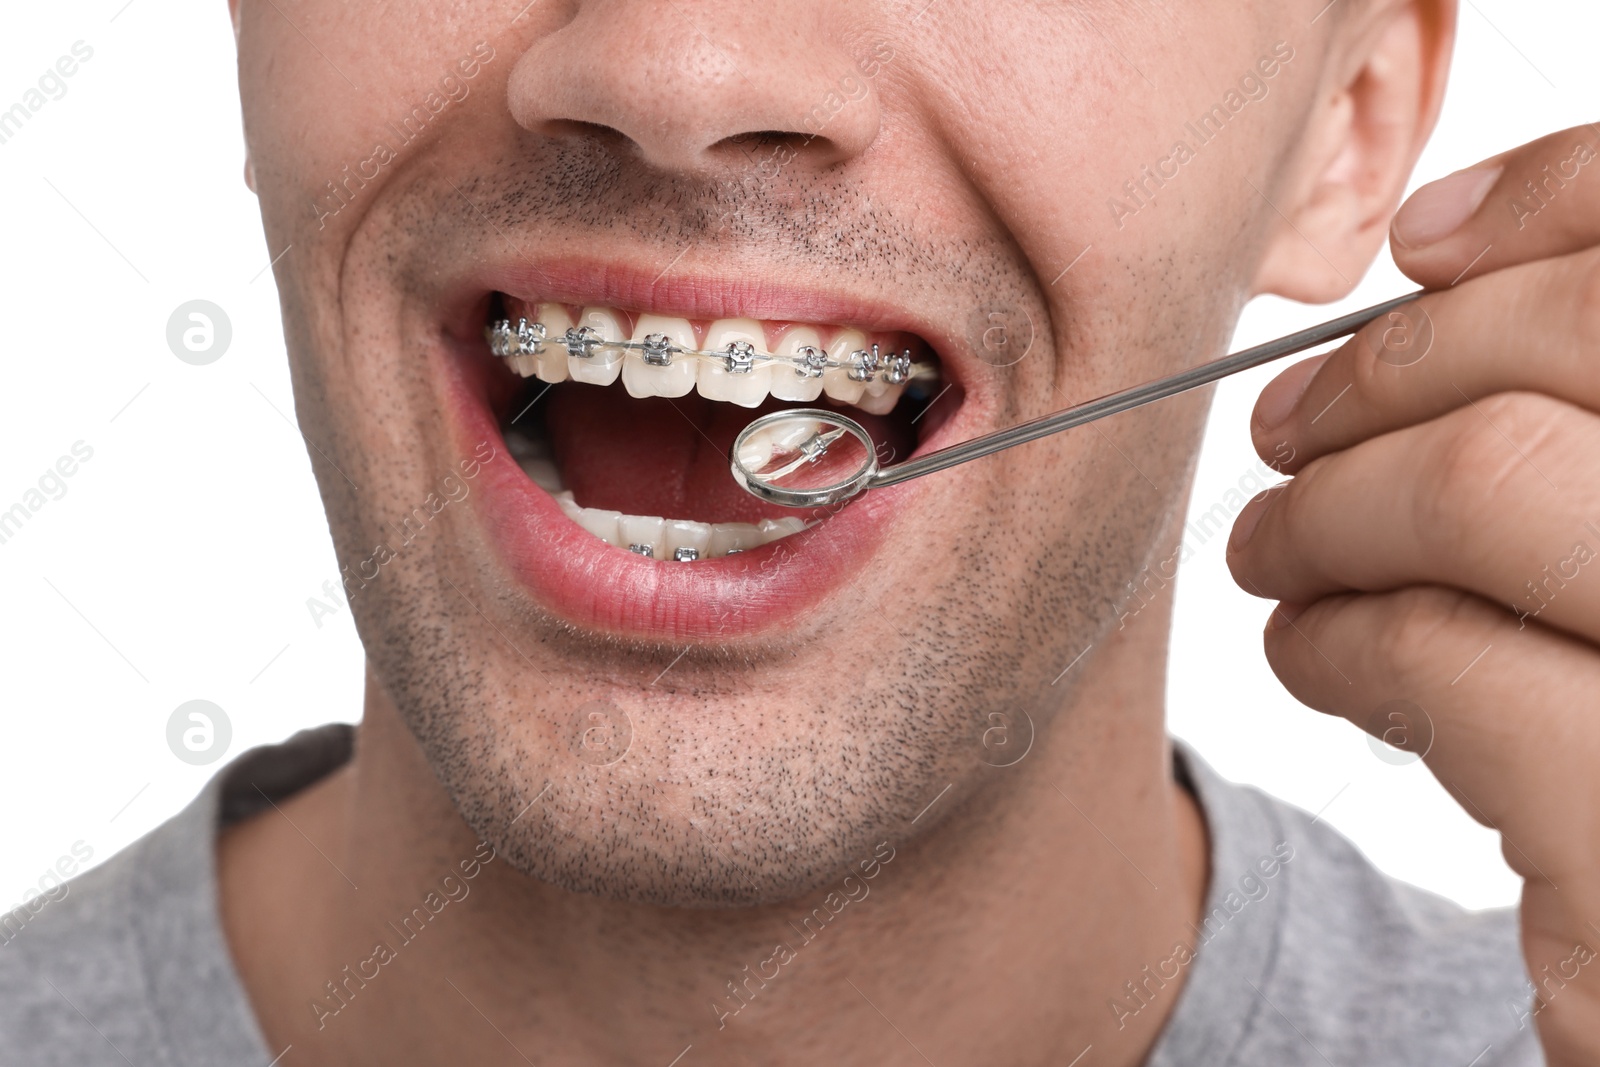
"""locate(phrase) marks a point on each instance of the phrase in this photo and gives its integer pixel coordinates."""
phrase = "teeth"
(646, 535)
(744, 377)
(755, 451)
(605, 525)
(683, 534)
(605, 364)
(883, 401)
(773, 529)
(836, 380)
(786, 384)
(675, 539)
(550, 365)
(715, 382)
(735, 537)
(790, 434)
(675, 379)
(662, 358)
(784, 436)
(881, 395)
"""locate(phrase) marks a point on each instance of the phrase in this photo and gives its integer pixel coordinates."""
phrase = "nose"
(687, 82)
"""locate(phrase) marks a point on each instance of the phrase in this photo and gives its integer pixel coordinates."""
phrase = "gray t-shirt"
(1307, 954)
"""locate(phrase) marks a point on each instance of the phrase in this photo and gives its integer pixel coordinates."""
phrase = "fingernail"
(1250, 518)
(1283, 615)
(1438, 209)
(1278, 399)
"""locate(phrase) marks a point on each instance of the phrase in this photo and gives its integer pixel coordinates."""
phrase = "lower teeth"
(682, 540)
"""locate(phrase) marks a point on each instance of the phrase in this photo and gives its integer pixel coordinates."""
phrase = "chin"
(708, 802)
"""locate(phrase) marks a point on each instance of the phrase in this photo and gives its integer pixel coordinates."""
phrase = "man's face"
(950, 177)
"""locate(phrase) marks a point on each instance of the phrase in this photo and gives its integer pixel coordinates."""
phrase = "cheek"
(315, 121)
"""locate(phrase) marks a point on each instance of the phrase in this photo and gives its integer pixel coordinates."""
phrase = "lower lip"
(599, 587)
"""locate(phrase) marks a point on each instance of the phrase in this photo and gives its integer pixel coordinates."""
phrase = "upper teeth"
(662, 359)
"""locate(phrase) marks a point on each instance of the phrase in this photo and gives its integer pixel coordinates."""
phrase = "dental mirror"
(811, 457)
(803, 457)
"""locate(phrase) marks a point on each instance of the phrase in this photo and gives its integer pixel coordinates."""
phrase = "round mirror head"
(803, 458)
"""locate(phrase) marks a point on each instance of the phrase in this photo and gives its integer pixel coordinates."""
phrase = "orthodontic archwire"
(527, 338)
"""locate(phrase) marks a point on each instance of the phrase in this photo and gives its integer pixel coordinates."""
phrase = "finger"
(1533, 328)
(1536, 201)
(1494, 711)
(1497, 498)
(1499, 715)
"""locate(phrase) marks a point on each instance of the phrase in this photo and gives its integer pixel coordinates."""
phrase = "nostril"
(762, 137)
(767, 140)
(572, 129)
(777, 146)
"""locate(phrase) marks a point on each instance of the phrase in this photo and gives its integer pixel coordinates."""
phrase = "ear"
(1374, 112)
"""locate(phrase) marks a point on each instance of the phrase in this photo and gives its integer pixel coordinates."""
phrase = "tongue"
(669, 458)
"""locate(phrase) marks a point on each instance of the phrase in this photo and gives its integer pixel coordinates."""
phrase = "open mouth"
(608, 415)
(625, 417)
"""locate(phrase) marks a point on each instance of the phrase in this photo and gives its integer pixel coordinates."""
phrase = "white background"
(178, 564)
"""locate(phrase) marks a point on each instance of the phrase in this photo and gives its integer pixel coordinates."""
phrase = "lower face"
(630, 676)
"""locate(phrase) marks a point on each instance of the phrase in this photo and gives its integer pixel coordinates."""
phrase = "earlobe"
(1383, 89)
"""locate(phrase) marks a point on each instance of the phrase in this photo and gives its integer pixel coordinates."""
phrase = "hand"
(1439, 546)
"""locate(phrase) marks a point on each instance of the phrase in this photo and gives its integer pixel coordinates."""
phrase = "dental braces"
(736, 357)
(680, 554)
